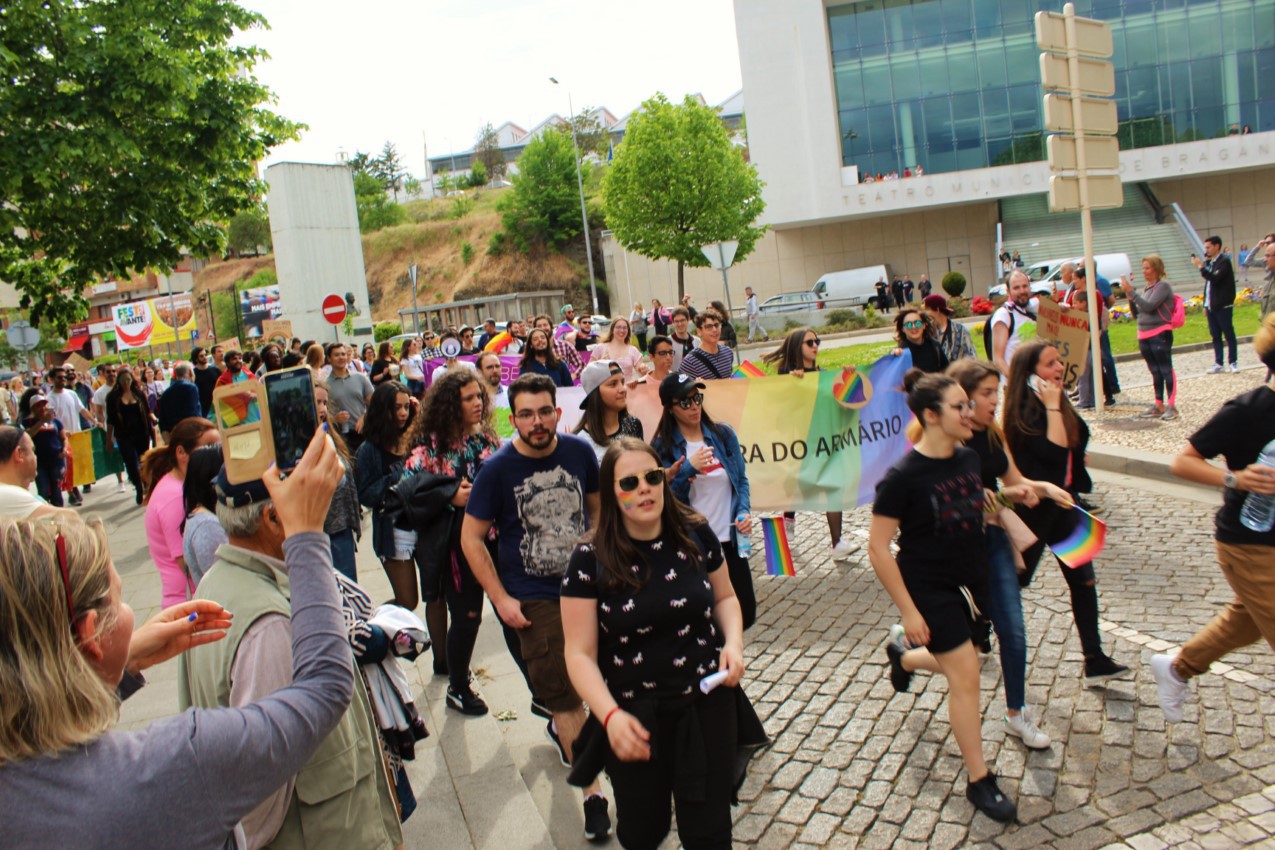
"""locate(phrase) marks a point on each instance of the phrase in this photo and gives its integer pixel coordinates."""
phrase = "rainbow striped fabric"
(778, 553)
(1085, 542)
(748, 369)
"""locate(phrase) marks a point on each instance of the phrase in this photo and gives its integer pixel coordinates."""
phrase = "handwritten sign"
(1068, 331)
(278, 331)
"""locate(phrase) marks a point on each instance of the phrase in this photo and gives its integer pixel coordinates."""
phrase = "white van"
(1109, 266)
(850, 287)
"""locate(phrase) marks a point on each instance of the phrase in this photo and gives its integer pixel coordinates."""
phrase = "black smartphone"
(293, 417)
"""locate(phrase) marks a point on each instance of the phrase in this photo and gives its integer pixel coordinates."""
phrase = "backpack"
(987, 328)
(1178, 319)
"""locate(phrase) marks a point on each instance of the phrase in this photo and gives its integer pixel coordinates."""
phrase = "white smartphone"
(1036, 383)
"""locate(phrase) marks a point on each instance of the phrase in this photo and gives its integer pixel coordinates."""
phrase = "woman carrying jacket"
(708, 474)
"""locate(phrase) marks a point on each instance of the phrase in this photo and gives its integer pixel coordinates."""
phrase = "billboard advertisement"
(154, 321)
(257, 306)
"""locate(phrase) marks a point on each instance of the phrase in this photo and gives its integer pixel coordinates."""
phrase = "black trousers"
(1049, 522)
(741, 578)
(646, 790)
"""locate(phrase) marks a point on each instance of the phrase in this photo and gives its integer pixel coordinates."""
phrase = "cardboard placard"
(231, 344)
(1068, 331)
(278, 331)
(241, 414)
(78, 363)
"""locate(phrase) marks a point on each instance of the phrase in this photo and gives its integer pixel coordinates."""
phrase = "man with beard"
(488, 364)
(540, 490)
(206, 376)
(1008, 320)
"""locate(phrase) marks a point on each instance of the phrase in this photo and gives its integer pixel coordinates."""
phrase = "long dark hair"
(201, 471)
(160, 461)
(969, 373)
(667, 428)
(441, 423)
(788, 355)
(593, 422)
(529, 352)
(380, 423)
(115, 397)
(615, 550)
(1024, 411)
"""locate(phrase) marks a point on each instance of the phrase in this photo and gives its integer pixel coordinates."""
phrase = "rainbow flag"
(748, 369)
(778, 554)
(1085, 542)
(499, 342)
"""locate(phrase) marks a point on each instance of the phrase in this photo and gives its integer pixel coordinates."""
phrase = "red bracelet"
(607, 719)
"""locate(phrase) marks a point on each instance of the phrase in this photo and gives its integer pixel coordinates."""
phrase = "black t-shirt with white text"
(1238, 432)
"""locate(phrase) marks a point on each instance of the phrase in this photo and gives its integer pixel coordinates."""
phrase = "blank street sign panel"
(1093, 38)
(1105, 192)
(1101, 153)
(1097, 116)
(1096, 77)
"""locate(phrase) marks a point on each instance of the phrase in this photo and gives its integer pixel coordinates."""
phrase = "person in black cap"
(710, 475)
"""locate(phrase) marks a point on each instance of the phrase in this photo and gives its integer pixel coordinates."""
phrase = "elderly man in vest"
(341, 799)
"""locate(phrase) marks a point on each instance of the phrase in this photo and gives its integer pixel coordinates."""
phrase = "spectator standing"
(753, 314)
(896, 291)
(201, 531)
(640, 326)
(1153, 308)
(711, 359)
(206, 375)
(660, 317)
(540, 491)
(180, 401)
(908, 288)
(883, 296)
(924, 286)
(1219, 302)
(349, 393)
(129, 425)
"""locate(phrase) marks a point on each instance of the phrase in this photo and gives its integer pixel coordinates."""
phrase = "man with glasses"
(70, 411)
(680, 336)
(568, 321)
(711, 359)
(540, 490)
(661, 351)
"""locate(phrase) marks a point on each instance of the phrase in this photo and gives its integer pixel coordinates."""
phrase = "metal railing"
(1188, 232)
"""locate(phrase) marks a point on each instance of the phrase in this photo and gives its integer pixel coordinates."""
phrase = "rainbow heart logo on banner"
(854, 390)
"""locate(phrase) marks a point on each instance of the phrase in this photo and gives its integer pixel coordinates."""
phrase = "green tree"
(249, 231)
(388, 168)
(360, 163)
(478, 175)
(130, 131)
(543, 207)
(591, 136)
(375, 209)
(487, 151)
(677, 183)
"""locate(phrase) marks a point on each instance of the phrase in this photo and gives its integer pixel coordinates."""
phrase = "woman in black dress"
(647, 613)
(129, 424)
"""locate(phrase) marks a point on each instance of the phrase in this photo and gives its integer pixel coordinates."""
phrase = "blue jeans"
(1222, 323)
(343, 548)
(1005, 609)
(48, 481)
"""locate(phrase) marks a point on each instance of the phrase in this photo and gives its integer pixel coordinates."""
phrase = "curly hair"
(380, 425)
(899, 336)
(442, 422)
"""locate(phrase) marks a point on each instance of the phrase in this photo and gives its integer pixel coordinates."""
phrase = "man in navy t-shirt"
(540, 490)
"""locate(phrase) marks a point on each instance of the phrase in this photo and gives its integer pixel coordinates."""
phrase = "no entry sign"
(334, 309)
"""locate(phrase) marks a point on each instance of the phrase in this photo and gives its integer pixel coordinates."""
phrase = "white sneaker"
(1029, 733)
(790, 528)
(121, 488)
(1214, 369)
(896, 634)
(844, 550)
(1172, 690)
(1234, 367)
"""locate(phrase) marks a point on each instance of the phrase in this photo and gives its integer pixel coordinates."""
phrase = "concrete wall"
(1238, 207)
(317, 248)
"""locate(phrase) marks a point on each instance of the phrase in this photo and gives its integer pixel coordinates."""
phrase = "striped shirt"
(697, 363)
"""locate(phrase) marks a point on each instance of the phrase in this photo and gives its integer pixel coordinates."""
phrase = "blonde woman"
(616, 347)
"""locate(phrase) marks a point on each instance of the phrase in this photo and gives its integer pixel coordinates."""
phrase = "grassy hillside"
(447, 239)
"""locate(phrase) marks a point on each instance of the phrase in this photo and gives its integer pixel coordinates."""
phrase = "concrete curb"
(1137, 463)
(1180, 349)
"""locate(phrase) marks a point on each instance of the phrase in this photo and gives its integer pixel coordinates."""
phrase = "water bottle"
(743, 542)
(1258, 513)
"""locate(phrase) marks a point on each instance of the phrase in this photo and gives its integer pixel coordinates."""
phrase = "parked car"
(790, 302)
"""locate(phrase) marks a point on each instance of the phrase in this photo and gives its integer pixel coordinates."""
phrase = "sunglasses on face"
(709, 326)
(691, 401)
(663, 352)
(813, 343)
(653, 477)
(911, 326)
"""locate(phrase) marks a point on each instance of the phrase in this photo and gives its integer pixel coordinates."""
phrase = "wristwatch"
(1229, 481)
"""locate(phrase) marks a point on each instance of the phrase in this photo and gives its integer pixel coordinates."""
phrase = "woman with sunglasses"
(647, 613)
(1048, 439)
(797, 355)
(933, 500)
(661, 352)
(538, 358)
(710, 476)
(606, 416)
(915, 335)
(66, 777)
(616, 347)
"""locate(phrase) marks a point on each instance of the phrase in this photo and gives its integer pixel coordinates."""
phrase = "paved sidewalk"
(855, 765)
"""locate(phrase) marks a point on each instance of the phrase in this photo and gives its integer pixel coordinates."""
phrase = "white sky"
(362, 73)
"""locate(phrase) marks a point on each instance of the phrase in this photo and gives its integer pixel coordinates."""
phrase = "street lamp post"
(584, 211)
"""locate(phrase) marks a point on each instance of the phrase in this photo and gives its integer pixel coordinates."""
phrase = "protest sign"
(1068, 331)
(278, 331)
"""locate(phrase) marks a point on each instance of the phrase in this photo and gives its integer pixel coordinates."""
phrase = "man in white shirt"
(1009, 319)
(17, 472)
(754, 316)
(68, 408)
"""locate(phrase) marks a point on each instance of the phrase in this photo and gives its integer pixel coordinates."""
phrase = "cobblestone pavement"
(855, 765)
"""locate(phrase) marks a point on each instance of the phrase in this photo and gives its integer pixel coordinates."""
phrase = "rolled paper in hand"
(711, 681)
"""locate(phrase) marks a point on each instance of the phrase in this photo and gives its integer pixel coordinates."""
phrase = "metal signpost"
(411, 273)
(23, 337)
(721, 256)
(1070, 64)
(334, 313)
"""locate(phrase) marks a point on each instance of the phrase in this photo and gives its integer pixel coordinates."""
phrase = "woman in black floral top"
(648, 613)
(452, 437)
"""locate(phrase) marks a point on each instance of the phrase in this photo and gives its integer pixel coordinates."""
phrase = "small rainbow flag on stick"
(1084, 543)
(778, 554)
(748, 369)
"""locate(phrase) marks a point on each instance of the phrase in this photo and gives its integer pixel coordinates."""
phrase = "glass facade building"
(955, 84)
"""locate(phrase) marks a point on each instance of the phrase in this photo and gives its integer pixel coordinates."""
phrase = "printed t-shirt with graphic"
(538, 506)
(1238, 432)
(711, 494)
(939, 505)
(659, 640)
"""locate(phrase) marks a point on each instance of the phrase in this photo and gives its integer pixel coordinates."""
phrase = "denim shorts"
(404, 547)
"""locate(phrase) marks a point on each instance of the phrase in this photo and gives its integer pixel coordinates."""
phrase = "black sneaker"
(539, 709)
(562, 753)
(1087, 505)
(899, 677)
(466, 702)
(597, 823)
(1101, 668)
(988, 799)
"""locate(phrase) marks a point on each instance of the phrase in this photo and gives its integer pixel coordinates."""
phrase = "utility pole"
(584, 210)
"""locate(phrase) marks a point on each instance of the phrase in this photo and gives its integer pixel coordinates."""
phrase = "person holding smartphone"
(1153, 308)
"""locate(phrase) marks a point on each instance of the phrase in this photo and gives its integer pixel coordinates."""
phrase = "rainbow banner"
(778, 553)
(1084, 543)
(817, 443)
(748, 369)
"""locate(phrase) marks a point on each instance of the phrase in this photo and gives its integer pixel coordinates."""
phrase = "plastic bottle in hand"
(744, 542)
(1258, 513)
